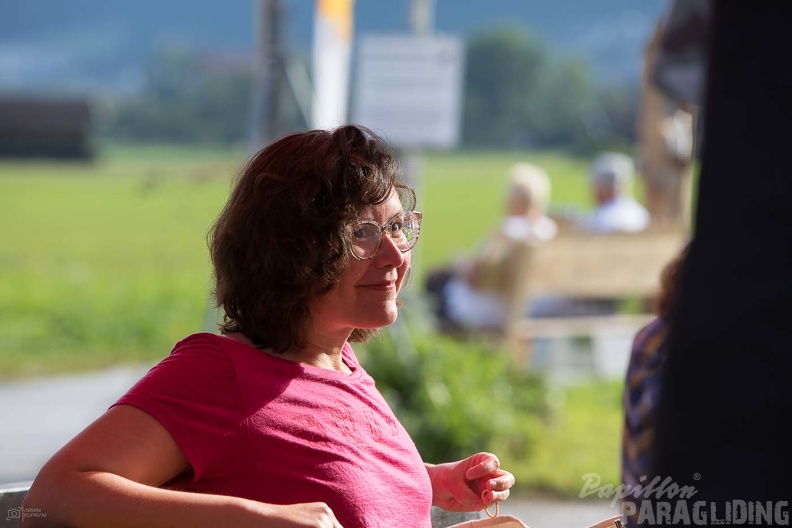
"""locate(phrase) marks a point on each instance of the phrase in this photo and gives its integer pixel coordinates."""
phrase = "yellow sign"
(339, 14)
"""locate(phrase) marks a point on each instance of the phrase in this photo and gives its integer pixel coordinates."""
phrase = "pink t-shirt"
(268, 429)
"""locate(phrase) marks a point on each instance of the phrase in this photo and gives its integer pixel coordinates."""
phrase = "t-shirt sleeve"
(195, 395)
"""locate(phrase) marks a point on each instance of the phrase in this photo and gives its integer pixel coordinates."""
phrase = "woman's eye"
(359, 233)
(396, 226)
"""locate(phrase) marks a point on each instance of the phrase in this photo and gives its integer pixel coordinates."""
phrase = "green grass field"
(106, 263)
(584, 437)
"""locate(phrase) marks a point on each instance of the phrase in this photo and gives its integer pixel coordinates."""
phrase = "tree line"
(518, 94)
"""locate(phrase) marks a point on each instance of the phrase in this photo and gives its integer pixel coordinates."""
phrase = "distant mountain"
(94, 45)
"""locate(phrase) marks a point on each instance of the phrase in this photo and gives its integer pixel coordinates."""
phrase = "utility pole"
(411, 162)
(411, 159)
(422, 16)
(268, 70)
(421, 22)
(267, 73)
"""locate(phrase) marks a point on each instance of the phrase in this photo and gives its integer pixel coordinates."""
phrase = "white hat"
(612, 170)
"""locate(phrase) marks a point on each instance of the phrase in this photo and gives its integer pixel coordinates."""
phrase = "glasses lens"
(405, 231)
(413, 223)
(365, 239)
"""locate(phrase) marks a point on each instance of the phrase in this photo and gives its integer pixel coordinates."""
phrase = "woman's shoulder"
(207, 347)
(203, 343)
(214, 341)
(200, 350)
(649, 340)
(199, 338)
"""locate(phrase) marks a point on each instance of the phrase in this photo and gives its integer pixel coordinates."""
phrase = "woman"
(273, 422)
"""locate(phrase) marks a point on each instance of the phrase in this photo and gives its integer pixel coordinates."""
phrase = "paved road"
(39, 416)
(544, 513)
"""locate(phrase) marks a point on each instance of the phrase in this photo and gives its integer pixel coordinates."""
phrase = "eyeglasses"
(402, 228)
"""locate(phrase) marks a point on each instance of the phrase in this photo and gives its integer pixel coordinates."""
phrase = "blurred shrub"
(457, 398)
(519, 93)
(187, 98)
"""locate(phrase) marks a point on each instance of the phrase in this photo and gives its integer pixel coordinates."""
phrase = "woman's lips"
(380, 286)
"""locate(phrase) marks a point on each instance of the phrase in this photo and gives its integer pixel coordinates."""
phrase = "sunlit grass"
(583, 437)
(103, 263)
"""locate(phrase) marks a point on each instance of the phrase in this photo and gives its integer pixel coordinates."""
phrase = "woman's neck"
(330, 360)
(329, 357)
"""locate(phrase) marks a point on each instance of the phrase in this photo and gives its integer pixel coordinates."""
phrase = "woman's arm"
(109, 476)
(461, 486)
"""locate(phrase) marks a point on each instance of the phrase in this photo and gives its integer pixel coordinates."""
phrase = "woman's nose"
(389, 253)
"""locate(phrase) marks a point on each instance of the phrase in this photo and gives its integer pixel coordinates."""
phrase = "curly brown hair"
(282, 237)
(670, 280)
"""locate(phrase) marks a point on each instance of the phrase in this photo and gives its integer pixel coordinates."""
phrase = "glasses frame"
(384, 229)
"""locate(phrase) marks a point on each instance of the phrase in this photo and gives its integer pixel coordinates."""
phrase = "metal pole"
(267, 70)
(412, 160)
(264, 122)
(421, 21)
(422, 16)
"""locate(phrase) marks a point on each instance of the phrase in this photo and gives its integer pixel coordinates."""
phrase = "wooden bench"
(12, 495)
(580, 265)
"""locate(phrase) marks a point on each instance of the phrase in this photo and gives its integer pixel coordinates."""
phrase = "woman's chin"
(386, 318)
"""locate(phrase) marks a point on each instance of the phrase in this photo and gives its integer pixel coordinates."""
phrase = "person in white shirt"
(612, 175)
(471, 294)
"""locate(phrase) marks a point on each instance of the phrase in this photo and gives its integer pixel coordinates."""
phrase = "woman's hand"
(458, 486)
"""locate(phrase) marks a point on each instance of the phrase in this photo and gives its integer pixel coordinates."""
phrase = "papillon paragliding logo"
(661, 501)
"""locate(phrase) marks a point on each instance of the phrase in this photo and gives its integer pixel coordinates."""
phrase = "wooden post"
(666, 147)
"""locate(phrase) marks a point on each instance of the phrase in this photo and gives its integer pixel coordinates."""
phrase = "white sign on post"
(408, 89)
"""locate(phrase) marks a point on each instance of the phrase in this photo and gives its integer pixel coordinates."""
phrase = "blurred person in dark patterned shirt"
(643, 381)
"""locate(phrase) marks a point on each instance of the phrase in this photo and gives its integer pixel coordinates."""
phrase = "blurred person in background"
(612, 175)
(273, 422)
(643, 382)
(471, 294)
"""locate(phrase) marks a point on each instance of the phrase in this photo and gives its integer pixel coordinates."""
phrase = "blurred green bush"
(456, 398)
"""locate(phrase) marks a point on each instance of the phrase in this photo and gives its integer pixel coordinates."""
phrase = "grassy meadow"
(106, 262)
